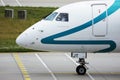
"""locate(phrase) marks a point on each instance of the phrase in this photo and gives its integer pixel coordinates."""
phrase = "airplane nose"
(22, 40)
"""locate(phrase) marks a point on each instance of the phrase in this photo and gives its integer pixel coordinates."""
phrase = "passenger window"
(51, 16)
(62, 17)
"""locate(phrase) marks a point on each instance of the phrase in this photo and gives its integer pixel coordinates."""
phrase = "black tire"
(81, 70)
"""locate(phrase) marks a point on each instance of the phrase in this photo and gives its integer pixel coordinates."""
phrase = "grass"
(10, 28)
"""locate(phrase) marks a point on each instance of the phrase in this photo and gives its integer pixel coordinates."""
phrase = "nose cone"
(22, 40)
(30, 38)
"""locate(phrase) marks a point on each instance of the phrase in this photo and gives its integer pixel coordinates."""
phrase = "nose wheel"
(82, 68)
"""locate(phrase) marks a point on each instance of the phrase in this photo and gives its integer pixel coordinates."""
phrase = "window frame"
(51, 16)
(62, 17)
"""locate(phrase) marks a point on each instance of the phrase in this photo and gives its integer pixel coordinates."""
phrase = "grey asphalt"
(59, 66)
(8, 68)
(37, 3)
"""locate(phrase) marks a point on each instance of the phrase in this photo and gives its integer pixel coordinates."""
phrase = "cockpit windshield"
(51, 16)
(62, 17)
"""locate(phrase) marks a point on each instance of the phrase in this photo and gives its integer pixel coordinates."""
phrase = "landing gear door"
(99, 29)
(79, 55)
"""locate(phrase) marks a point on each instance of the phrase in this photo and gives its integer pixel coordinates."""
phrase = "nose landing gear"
(82, 68)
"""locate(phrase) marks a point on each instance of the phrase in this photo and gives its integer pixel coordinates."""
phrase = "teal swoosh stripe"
(91, 42)
(110, 10)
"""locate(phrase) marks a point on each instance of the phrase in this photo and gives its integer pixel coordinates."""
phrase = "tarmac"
(37, 3)
(57, 66)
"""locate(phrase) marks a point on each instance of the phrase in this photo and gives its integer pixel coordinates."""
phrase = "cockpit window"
(62, 17)
(51, 16)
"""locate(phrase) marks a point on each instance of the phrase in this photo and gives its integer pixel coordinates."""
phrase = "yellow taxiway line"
(21, 66)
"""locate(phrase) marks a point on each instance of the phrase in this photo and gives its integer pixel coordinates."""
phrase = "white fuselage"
(89, 26)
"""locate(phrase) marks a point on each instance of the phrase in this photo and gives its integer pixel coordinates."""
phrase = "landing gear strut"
(82, 68)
